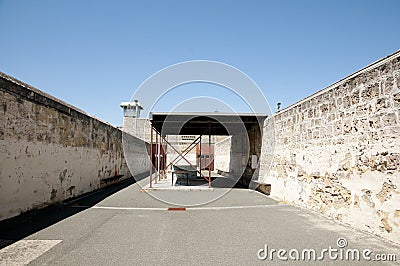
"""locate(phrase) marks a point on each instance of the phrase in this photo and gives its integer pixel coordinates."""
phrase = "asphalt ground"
(125, 225)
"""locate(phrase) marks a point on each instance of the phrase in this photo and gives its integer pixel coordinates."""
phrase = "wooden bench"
(177, 172)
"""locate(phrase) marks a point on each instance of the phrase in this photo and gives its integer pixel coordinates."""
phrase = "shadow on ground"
(220, 182)
(25, 224)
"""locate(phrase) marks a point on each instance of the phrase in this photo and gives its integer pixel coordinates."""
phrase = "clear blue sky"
(94, 54)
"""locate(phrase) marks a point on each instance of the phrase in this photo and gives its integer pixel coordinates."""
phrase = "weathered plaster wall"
(222, 155)
(233, 156)
(338, 151)
(136, 152)
(240, 161)
(51, 151)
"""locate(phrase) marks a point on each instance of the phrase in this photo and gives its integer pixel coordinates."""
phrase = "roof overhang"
(214, 123)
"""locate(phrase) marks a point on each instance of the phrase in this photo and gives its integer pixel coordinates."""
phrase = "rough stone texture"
(338, 151)
(51, 151)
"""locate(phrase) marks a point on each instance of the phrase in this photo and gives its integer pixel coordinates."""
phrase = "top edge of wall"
(373, 65)
(44, 94)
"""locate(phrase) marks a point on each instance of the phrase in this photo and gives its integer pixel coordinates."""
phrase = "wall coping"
(53, 103)
(373, 65)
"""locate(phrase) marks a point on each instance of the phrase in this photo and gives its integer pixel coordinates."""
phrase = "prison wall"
(51, 151)
(338, 151)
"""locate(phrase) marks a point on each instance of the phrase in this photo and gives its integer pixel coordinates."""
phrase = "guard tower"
(131, 109)
(133, 124)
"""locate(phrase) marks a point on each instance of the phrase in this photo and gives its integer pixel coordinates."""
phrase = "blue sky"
(94, 54)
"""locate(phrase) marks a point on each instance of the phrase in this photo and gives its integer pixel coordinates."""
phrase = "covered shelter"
(245, 127)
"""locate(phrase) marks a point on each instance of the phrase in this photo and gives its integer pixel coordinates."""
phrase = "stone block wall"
(51, 151)
(138, 127)
(338, 151)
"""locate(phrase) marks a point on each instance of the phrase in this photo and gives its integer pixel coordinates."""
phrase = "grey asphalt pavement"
(124, 225)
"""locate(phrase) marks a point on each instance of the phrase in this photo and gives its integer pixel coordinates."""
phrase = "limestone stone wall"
(51, 151)
(138, 127)
(338, 151)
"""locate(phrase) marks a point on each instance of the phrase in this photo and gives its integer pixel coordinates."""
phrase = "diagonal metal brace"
(183, 157)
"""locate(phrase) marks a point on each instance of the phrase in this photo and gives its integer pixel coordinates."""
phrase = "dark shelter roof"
(204, 123)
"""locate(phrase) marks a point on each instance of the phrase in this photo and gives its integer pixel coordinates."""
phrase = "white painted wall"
(51, 151)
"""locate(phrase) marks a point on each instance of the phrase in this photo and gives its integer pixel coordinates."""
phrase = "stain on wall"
(51, 151)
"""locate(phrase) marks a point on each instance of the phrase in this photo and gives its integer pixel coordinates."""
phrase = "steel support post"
(156, 154)
(200, 154)
(151, 156)
(209, 154)
(158, 158)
